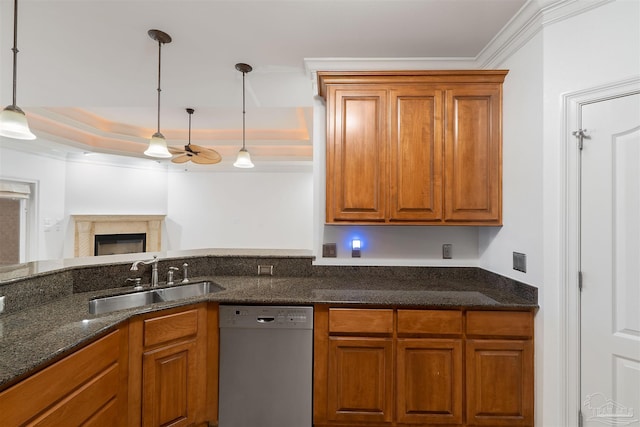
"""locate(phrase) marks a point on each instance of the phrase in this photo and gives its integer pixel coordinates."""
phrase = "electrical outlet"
(1, 304)
(520, 262)
(265, 270)
(447, 249)
(329, 250)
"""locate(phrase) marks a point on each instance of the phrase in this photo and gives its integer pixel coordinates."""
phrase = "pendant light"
(13, 121)
(244, 158)
(157, 144)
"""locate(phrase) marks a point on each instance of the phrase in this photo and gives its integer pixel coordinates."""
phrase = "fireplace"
(89, 227)
(124, 243)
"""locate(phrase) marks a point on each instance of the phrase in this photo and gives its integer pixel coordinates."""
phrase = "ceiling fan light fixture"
(158, 147)
(157, 144)
(13, 121)
(195, 153)
(13, 124)
(243, 160)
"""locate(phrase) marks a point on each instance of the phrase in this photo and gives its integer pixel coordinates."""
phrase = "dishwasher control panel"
(250, 316)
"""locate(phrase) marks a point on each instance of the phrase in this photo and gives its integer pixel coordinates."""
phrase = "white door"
(610, 262)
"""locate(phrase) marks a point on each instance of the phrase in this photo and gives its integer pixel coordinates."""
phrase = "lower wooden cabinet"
(360, 379)
(158, 369)
(499, 366)
(429, 381)
(422, 367)
(499, 382)
(168, 368)
(372, 367)
(88, 387)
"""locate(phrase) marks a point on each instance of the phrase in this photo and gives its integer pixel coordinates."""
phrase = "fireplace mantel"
(87, 226)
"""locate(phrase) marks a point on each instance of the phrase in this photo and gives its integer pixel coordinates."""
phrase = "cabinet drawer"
(167, 328)
(344, 320)
(500, 323)
(429, 322)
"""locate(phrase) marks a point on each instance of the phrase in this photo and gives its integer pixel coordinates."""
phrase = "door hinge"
(581, 134)
(580, 280)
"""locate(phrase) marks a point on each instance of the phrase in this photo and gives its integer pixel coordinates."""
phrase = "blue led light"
(356, 244)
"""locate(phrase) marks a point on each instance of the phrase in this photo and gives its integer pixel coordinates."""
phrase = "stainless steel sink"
(122, 302)
(139, 299)
(187, 291)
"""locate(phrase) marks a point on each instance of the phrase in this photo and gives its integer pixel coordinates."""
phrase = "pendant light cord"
(190, 113)
(244, 113)
(15, 50)
(159, 75)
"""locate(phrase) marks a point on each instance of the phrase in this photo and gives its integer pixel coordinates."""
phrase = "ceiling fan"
(195, 153)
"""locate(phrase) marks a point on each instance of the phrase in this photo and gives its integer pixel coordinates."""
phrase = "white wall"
(240, 209)
(522, 170)
(48, 175)
(402, 245)
(598, 47)
(94, 188)
(586, 50)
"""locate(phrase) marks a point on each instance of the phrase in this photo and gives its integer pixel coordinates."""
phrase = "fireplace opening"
(112, 244)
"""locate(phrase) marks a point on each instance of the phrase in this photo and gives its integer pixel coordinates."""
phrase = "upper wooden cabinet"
(414, 147)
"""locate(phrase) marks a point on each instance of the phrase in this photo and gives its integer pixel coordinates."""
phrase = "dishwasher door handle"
(265, 319)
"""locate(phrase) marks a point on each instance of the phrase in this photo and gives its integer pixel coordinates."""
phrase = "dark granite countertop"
(35, 336)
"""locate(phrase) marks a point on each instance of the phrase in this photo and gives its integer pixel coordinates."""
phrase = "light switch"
(447, 249)
(520, 262)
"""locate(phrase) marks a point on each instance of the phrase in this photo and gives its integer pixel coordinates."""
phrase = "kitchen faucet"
(185, 279)
(154, 269)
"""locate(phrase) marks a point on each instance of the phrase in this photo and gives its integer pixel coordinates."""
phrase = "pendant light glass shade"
(13, 122)
(157, 143)
(158, 147)
(244, 158)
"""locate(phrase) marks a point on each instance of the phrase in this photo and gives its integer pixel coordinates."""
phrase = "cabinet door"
(357, 154)
(360, 387)
(499, 382)
(473, 155)
(429, 377)
(416, 154)
(169, 376)
(168, 372)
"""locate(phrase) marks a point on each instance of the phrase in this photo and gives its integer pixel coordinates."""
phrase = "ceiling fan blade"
(210, 155)
(198, 148)
(202, 160)
(207, 152)
(176, 150)
(181, 159)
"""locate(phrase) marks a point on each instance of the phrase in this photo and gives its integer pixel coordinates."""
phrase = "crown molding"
(529, 21)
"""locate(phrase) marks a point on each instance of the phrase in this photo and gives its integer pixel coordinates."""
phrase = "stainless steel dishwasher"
(266, 366)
